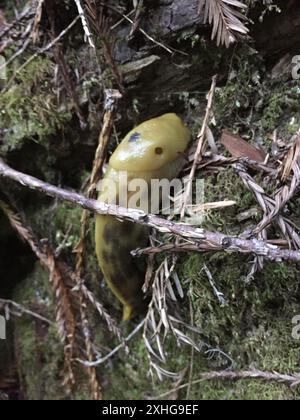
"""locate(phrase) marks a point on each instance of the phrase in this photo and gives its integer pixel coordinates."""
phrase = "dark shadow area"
(16, 259)
(16, 262)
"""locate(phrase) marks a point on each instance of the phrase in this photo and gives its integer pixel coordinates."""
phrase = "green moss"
(127, 376)
(254, 327)
(253, 103)
(59, 223)
(219, 187)
(241, 390)
(234, 101)
(38, 347)
(29, 108)
(282, 98)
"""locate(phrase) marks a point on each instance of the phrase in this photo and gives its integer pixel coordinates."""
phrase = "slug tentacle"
(153, 150)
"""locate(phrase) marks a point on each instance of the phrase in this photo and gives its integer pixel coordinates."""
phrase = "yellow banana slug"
(153, 150)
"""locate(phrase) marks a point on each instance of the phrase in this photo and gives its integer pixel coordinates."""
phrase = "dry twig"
(111, 98)
(41, 51)
(37, 20)
(200, 143)
(65, 316)
(15, 309)
(85, 24)
(287, 192)
(286, 379)
(200, 238)
(108, 356)
(102, 28)
(66, 286)
(271, 207)
(132, 22)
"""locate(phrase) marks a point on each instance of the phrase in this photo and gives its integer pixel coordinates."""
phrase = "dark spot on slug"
(159, 150)
(134, 138)
(141, 237)
(113, 258)
(106, 256)
(127, 228)
(124, 259)
(115, 242)
(107, 234)
(120, 280)
(113, 237)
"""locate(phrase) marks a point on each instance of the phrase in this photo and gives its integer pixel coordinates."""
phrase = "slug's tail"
(130, 311)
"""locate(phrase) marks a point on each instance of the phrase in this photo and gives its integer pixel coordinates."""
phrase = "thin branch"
(149, 37)
(111, 98)
(37, 21)
(286, 379)
(16, 55)
(139, 11)
(11, 306)
(42, 51)
(216, 242)
(200, 238)
(110, 322)
(271, 208)
(27, 14)
(96, 390)
(114, 351)
(214, 162)
(85, 24)
(200, 142)
(286, 193)
(219, 295)
(64, 310)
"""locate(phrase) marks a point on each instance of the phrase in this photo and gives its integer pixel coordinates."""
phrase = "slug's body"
(153, 150)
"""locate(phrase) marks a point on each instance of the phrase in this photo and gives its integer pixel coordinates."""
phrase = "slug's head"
(152, 145)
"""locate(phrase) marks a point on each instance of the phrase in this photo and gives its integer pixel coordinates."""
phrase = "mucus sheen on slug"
(152, 150)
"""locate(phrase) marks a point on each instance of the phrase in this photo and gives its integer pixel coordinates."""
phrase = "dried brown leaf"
(227, 21)
(238, 147)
